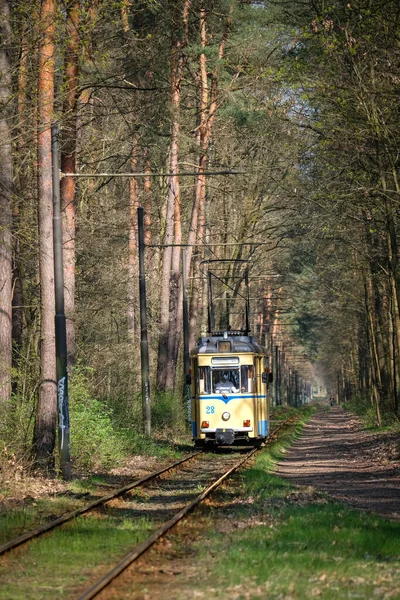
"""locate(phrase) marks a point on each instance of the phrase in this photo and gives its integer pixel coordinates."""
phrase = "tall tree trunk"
(68, 165)
(197, 296)
(207, 112)
(23, 184)
(166, 366)
(45, 425)
(375, 377)
(125, 7)
(6, 186)
(175, 195)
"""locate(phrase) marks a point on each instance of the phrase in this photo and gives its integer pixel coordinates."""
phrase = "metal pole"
(158, 174)
(60, 321)
(144, 345)
(296, 387)
(211, 323)
(276, 376)
(186, 357)
(246, 276)
(228, 317)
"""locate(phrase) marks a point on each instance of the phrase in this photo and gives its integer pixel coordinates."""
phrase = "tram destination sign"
(218, 361)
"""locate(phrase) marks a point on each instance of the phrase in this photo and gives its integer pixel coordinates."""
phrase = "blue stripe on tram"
(263, 427)
(229, 398)
(194, 428)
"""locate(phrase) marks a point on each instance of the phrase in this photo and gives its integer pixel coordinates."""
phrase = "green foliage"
(162, 445)
(101, 439)
(168, 413)
(363, 408)
(94, 440)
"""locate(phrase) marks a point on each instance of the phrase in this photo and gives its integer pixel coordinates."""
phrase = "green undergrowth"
(100, 439)
(268, 539)
(363, 409)
(280, 413)
(32, 513)
(52, 565)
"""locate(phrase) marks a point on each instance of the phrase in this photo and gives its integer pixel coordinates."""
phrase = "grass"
(29, 513)
(162, 445)
(286, 543)
(53, 564)
(314, 550)
(259, 538)
(15, 521)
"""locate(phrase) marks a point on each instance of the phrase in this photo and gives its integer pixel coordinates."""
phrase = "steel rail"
(144, 546)
(24, 537)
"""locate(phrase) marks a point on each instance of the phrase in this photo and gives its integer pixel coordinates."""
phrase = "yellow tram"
(229, 390)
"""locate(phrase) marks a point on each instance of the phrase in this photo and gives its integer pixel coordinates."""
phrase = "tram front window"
(225, 381)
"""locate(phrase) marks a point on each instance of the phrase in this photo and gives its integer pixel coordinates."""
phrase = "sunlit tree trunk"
(6, 188)
(166, 367)
(125, 6)
(208, 108)
(375, 376)
(45, 426)
(68, 165)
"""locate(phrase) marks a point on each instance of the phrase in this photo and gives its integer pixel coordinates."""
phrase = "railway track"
(25, 537)
(102, 583)
(209, 473)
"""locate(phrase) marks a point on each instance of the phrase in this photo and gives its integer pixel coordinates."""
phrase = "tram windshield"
(231, 381)
(225, 380)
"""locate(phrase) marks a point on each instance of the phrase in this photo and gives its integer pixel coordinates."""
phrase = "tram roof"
(239, 344)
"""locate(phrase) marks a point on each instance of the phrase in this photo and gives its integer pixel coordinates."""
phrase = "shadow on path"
(334, 455)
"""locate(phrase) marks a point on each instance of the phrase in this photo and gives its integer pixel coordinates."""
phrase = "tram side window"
(247, 374)
(204, 380)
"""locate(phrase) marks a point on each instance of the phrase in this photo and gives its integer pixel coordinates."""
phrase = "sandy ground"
(334, 455)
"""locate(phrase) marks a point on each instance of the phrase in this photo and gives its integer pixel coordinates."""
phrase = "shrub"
(168, 412)
(94, 441)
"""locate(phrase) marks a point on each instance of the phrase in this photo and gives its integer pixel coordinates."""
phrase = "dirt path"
(333, 454)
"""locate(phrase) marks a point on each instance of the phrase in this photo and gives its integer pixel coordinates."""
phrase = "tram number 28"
(210, 410)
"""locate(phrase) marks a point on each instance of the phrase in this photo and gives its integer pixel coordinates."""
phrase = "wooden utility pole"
(60, 320)
(144, 345)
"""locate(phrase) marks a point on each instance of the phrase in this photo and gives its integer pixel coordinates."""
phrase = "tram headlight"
(226, 416)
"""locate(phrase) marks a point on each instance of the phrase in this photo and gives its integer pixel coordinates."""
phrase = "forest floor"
(317, 514)
(262, 537)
